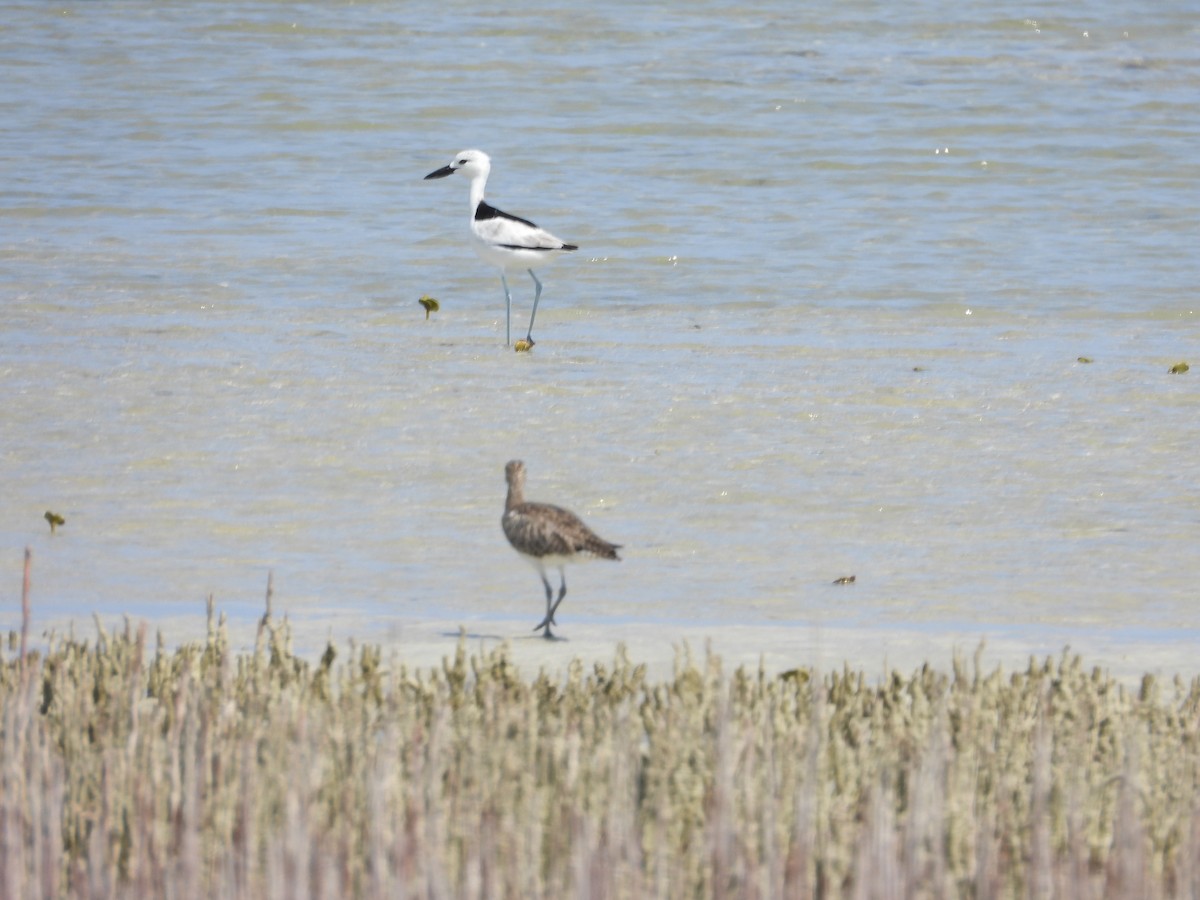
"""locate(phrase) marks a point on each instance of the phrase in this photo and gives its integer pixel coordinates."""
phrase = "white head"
(472, 163)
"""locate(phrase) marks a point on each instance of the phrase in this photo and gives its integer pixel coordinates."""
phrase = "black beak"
(440, 173)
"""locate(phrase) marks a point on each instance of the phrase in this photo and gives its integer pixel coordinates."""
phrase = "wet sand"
(422, 643)
(876, 652)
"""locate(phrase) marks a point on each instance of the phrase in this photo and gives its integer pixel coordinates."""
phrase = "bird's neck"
(477, 185)
(516, 496)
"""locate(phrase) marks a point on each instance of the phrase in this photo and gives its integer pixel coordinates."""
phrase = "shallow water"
(838, 268)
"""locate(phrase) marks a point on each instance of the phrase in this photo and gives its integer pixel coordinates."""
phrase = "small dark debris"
(430, 304)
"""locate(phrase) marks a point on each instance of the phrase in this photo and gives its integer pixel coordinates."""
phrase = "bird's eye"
(462, 162)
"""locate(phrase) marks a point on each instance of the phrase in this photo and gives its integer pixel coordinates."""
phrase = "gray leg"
(537, 295)
(549, 620)
(562, 592)
(507, 311)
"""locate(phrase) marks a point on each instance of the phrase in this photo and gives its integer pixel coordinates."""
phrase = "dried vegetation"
(131, 771)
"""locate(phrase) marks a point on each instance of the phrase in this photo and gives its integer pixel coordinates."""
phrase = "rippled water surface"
(841, 269)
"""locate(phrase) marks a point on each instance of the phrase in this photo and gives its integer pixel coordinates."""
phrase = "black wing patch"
(486, 211)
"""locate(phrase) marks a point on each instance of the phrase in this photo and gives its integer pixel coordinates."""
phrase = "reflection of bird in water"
(548, 536)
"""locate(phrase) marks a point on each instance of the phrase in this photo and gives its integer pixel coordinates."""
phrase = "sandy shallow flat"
(875, 652)
(424, 643)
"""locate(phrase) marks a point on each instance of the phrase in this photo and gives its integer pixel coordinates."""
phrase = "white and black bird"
(506, 241)
(548, 537)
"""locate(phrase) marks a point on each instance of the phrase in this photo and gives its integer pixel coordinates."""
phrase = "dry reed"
(197, 772)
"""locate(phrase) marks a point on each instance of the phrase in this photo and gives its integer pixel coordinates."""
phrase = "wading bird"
(548, 537)
(507, 242)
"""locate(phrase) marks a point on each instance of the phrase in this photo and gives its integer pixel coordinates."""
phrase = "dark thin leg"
(562, 592)
(537, 295)
(549, 620)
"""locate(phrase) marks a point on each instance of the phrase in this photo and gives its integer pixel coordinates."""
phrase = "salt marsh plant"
(133, 771)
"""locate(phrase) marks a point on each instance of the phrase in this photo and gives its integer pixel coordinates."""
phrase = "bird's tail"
(601, 548)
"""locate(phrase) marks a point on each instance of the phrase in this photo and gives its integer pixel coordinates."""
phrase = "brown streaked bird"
(548, 536)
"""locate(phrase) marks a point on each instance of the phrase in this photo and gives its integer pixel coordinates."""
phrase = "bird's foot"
(523, 346)
(544, 627)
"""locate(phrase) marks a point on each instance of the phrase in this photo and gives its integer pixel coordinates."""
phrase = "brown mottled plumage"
(547, 535)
